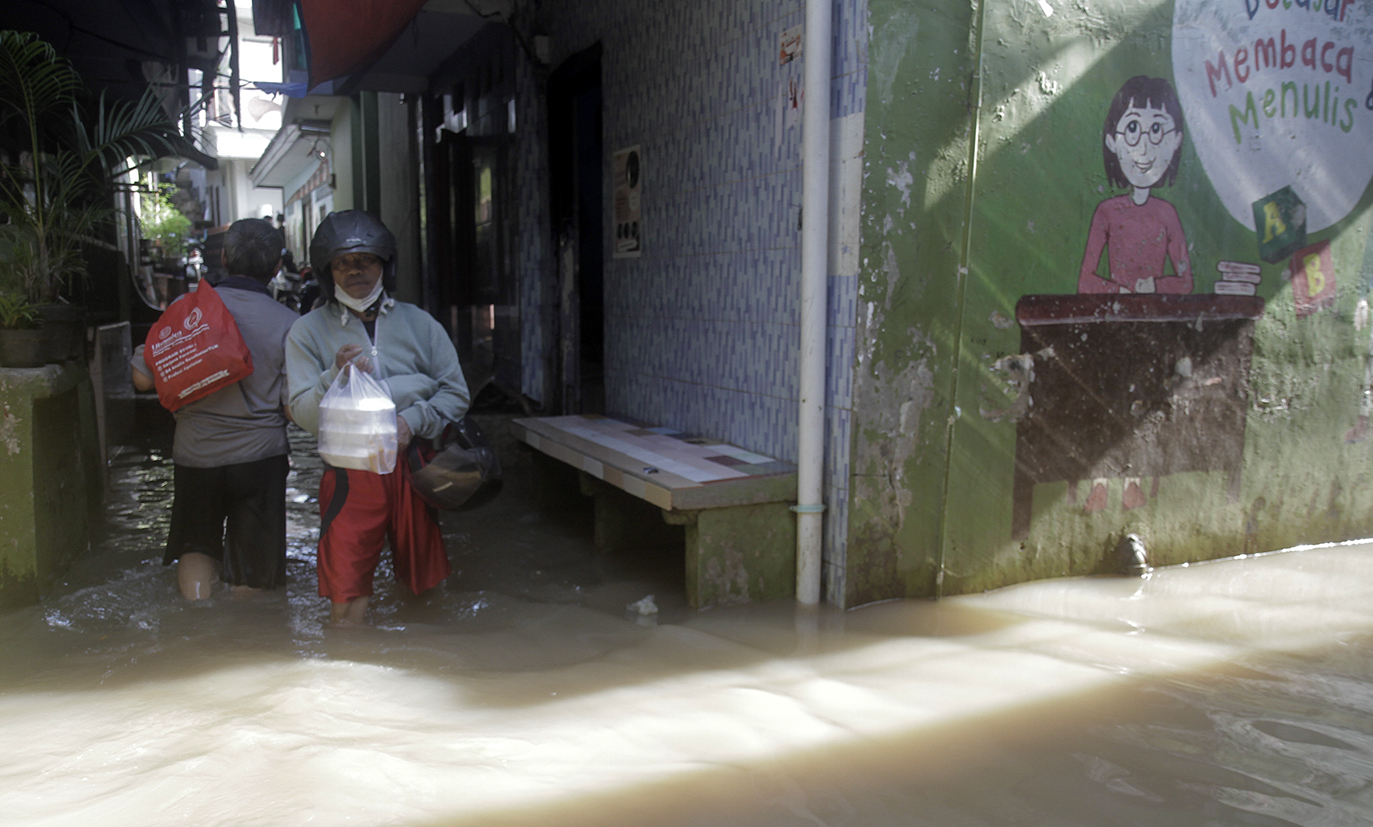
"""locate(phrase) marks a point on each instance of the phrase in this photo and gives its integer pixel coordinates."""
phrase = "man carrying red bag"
(230, 452)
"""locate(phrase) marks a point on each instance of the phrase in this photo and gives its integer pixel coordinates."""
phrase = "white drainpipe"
(815, 172)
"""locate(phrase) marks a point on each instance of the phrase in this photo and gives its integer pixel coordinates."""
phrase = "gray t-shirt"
(245, 421)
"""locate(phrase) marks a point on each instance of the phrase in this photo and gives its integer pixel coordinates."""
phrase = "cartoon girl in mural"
(1141, 145)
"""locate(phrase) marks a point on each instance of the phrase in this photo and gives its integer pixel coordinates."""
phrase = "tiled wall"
(538, 293)
(702, 331)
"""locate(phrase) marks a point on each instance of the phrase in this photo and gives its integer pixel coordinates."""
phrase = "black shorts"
(250, 497)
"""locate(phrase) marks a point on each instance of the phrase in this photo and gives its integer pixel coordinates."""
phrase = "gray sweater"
(245, 421)
(412, 354)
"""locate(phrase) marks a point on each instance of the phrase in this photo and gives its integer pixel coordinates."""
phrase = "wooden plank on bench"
(673, 470)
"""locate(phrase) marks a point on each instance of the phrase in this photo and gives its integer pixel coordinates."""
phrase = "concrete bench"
(734, 504)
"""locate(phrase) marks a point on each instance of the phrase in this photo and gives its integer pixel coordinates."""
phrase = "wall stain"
(1010, 378)
(9, 432)
(730, 579)
(894, 403)
(885, 61)
(902, 179)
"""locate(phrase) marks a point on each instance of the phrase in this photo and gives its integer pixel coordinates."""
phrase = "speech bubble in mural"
(1279, 93)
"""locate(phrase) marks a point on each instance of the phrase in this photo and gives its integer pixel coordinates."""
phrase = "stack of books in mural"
(1238, 278)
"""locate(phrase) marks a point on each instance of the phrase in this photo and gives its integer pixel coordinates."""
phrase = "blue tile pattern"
(702, 331)
(537, 297)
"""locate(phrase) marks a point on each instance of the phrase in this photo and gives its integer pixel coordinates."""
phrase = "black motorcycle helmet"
(351, 231)
(458, 471)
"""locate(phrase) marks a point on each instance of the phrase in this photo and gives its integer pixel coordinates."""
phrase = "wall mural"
(1277, 95)
(1141, 147)
(1137, 376)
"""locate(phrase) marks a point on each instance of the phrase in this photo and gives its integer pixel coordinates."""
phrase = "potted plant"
(59, 154)
(23, 344)
(166, 226)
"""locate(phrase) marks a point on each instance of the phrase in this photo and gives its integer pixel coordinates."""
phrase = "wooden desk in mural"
(1131, 387)
(734, 504)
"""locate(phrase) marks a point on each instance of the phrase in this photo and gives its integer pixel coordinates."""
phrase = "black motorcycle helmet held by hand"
(351, 231)
(459, 471)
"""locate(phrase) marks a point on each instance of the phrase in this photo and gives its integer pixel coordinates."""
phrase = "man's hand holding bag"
(357, 423)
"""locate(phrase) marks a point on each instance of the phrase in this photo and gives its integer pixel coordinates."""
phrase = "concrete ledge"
(50, 475)
(649, 485)
(661, 459)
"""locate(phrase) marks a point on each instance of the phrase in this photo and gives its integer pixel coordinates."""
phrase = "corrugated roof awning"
(348, 35)
(296, 147)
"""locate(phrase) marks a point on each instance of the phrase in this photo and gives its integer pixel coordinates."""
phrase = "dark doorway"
(476, 223)
(575, 181)
(471, 215)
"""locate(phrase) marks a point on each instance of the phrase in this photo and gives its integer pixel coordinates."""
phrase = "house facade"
(1091, 273)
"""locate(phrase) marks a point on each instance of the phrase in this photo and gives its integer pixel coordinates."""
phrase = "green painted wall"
(915, 199)
(984, 169)
(50, 476)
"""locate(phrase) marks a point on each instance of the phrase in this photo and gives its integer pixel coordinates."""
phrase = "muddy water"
(523, 692)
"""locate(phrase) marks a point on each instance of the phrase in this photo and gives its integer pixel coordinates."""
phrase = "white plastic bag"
(357, 424)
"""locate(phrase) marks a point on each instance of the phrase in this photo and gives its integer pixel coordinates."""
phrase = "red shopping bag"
(195, 349)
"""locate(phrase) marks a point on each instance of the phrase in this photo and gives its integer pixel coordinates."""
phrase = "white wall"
(231, 194)
(341, 140)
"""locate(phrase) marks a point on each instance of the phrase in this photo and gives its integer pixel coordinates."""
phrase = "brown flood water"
(524, 693)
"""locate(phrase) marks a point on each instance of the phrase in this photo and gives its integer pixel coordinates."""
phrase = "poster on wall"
(790, 91)
(628, 174)
(789, 44)
(1278, 97)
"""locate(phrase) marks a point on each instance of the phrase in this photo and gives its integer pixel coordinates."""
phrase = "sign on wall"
(1278, 95)
(789, 44)
(628, 175)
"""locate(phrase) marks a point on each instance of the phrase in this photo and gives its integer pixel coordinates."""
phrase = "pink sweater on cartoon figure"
(1138, 239)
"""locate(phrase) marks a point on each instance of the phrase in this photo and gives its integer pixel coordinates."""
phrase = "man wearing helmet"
(360, 327)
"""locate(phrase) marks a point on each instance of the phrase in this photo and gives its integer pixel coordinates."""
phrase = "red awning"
(348, 35)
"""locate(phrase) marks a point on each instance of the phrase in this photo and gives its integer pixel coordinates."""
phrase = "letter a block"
(1279, 224)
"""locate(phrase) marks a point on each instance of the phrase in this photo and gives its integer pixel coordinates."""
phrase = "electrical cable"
(510, 23)
(495, 15)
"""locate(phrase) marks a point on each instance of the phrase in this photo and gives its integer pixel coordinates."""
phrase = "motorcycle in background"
(285, 287)
(296, 290)
(309, 290)
(194, 269)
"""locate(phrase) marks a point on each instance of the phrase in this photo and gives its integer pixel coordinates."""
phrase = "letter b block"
(1313, 278)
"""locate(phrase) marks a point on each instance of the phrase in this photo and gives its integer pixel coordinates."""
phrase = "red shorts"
(358, 511)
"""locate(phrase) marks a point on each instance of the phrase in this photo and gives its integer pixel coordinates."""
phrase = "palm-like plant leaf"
(49, 197)
(121, 129)
(34, 81)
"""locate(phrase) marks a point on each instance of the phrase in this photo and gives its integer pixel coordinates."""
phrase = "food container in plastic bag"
(357, 424)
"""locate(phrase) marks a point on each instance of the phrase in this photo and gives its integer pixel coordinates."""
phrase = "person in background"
(230, 453)
(195, 268)
(285, 285)
(359, 326)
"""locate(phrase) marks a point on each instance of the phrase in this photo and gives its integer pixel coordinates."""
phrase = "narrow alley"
(896, 323)
(526, 691)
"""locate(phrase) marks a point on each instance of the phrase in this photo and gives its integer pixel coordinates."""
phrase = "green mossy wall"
(915, 198)
(984, 167)
(50, 477)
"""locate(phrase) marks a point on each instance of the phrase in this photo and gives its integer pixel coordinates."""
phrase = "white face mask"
(360, 305)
